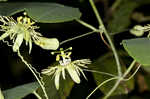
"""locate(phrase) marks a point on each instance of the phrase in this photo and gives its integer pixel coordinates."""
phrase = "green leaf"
(107, 64)
(42, 12)
(147, 80)
(65, 87)
(121, 17)
(20, 91)
(138, 49)
(146, 68)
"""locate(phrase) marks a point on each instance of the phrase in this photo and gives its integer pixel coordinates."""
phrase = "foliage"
(42, 12)
(113, 64)
(22, 91)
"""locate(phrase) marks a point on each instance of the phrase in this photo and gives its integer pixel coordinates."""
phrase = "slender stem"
(114, 52)
(101, 34)
(103, 73)
(129, 68)
(113, 89)
(101, 26)
(119, 80)
(25, 62)
(94, 29)
(115, 5)
(100, 86)
(70, 39)
(96, 12)
(87, 25)
(133, 73)
(37, 95)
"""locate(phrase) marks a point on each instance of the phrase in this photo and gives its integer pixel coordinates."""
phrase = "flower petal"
(57, 76)
(1, 95)
(73, 73)
(30, 46)
(47, 43)
(18, 42)
(63, 73)
(49, 71)
(78, 68)
(6, 34)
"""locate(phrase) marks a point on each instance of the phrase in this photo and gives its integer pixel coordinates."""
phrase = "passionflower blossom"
(24, 29)
(74, 68)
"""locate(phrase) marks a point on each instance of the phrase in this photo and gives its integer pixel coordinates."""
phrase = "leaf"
(107, 64)
(20, 91)
(121, 18)
(138, 49)
(147, 80)
(64, 89)
(41, 12)
(146, 68)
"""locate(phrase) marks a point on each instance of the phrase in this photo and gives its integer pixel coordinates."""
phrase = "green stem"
(37, 95)
(96, 12)
(101, 25)
(115, 5)
(119, 80)
(133, 73)
(114, 52)
(104, 82)
(129, 68)
(25, 62)
(87, 25)
(70, 39)
(103, 73)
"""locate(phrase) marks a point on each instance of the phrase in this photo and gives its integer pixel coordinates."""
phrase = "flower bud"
(47, 43)
(137, 30)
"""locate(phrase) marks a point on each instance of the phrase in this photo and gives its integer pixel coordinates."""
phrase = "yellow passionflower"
(74, 68)
(24, 29)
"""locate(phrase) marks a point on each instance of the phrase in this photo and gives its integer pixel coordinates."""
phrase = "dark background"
(13, 72)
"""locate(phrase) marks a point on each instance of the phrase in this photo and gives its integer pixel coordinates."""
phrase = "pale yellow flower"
(24, 29)
(74, 69)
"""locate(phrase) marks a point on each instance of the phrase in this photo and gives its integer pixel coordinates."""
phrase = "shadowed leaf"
(107, 64)
(138, 49)
(20, 91)
(42, 12)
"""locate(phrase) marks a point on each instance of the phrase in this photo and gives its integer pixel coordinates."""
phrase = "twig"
(70, 39)
(28, 65)
(119, 80)
(101, 26)
(37, 95)
(103, 73)
(101, 34)
(104, 82)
